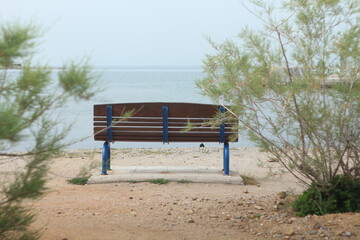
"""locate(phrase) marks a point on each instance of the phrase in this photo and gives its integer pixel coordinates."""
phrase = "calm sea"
(135, 84)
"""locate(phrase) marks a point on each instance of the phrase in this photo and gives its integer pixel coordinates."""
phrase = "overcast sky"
(130, 32)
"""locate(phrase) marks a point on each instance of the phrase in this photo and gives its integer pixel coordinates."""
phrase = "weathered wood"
(184, 110)
(146, 123)
(131, 138)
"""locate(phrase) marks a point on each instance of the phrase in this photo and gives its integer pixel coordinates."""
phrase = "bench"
(162, 122)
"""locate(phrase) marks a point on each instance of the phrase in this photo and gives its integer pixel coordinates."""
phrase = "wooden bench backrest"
(159, 122)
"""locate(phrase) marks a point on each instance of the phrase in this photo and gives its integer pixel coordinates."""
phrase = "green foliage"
(132, 181)
(184, 181)
(294, 86)
(28, 99)
(159, 181)
(77, 81)
(343, 196)
(16, 41)
(249, 180)
(79, 180)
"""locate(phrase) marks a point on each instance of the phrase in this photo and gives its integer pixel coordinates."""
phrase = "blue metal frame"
(106, 147)
(222, 128)
(226, 158)
(108, 157)
(222, 139)
(105, 158)
(165, 116)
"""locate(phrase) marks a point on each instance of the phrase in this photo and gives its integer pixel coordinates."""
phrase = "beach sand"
(178, 210)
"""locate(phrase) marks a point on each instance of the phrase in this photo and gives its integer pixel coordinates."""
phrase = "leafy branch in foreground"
(295, 86)
(28, 98)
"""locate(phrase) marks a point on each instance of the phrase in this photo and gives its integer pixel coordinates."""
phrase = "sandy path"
(178, 210)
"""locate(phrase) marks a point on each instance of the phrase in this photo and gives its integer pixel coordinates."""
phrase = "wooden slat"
(155, 109)
(159, 139)
(130, 124)
(158, 120)
(171, 124)
(146, 129)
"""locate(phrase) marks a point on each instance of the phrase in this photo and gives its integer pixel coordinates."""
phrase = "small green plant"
(344, 196)
(159, 181)
(132, 181)
(183, 181)
(79, 180)
(257, 215)
(249, 180)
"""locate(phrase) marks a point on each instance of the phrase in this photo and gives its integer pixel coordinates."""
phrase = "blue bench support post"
(106, 147)
(226, 158)
(165, 127)
(226, 163)
(105, 158)
(108, 165)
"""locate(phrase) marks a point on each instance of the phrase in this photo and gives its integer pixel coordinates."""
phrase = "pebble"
(317, 226)
(190, 221)
(289, 232)
(292, 220)
(312, 232)
(278, 236)
(346, 234)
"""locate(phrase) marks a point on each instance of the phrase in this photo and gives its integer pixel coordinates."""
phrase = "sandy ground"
(179, 210)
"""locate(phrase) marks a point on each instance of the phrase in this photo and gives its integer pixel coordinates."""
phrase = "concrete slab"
(198, 174)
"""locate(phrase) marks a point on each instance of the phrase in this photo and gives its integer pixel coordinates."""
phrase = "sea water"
(133, 84)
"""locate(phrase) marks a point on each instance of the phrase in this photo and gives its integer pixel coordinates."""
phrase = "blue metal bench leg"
(226, 159)
(108, 157)
(105, 158)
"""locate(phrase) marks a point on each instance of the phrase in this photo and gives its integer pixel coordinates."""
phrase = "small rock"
(190, 221)
(131, 198)
(214, 216)
(346, 234)
(246, 191)
(292, 220)
(282, 195)
(194, 198)
(289, 232)
(317, 225)
(258, 185)
(312, 232)
(258, 208)
(278, 235)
